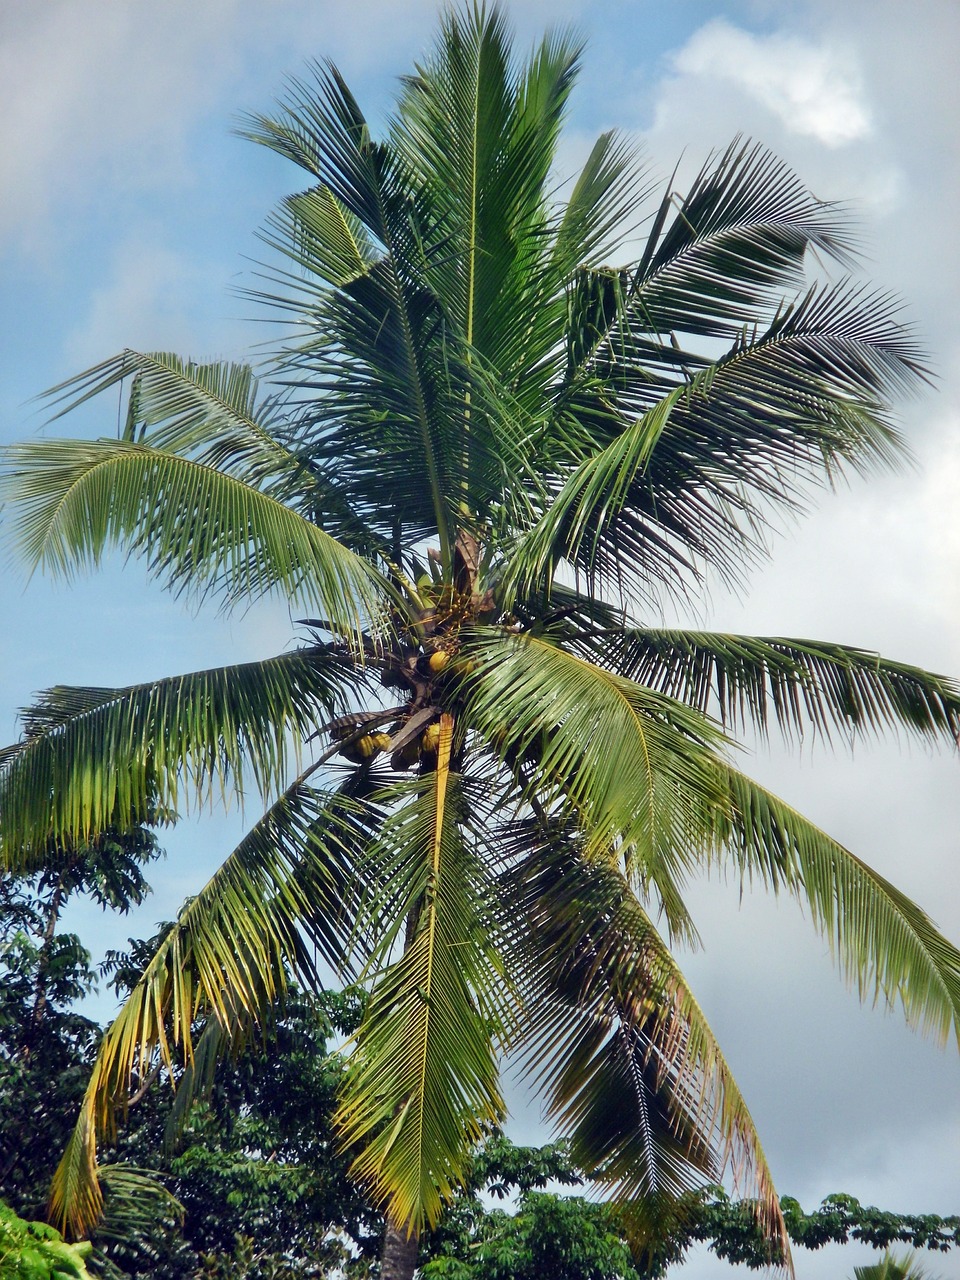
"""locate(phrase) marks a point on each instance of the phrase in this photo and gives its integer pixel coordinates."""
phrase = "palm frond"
(605, 195)
(740, 233)
(210, 411)
(94, 757)
(753, 681)
(790, 408)
(881, 940)
(589, 501)
(135, 1201)
(482, 133)
(215, 414)
(203, 531)
(421, 1086)
(279, 901)
(322, 237)
(636, 768)
(381, 324)
(618, 1042)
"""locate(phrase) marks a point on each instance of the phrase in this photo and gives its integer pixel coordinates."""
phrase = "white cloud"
(110, 96)
(92, 96)
(154, 298)
(814, 90)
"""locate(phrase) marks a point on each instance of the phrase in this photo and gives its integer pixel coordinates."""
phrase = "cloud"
(111, 97)
(98, 97)
(814, 90)
(155, 298)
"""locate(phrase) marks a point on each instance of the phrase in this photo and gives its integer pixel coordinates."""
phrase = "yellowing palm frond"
(421, 1084)
(283, 897)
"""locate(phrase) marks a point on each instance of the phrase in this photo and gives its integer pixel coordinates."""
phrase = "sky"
(128, 217)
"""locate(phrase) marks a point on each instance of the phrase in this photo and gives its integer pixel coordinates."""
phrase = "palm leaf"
(628, 1062)
(880, 939)
(135, 1202)
(590, 500)
(380, 324)
(739, 234)
(636, 768)
(321, 236)
(203, 531)
(92, 757)
(214, 413)
(211, 411)
(481, 133)
(421, 1086)
(791, 407)
(606, 194)
(279, 901)
(755, 680)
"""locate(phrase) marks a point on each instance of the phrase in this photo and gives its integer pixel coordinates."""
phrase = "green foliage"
(254, 1187)
(34, 1251)
(471, 409)
(893, 1266)
(564, 1237)
(47, 1048)
(474, 1241)
(248, 1154)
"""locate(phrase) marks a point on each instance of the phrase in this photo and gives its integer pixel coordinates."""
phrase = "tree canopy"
(477, 463)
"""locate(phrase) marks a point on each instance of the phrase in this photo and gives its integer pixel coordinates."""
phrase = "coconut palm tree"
(893, 1266)
(479, 458)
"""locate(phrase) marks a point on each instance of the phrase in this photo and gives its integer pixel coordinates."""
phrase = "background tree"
(35, 1251)
(544, 1233)
(47, 1046)
(248, 1152)
(487, 454)
(256, 1190)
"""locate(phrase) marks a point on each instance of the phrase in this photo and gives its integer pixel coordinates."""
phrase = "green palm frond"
(215, 414)
(893, 1266)
(93, 757)
(136, 1200)
(636, 768)
(485, 157)
(796, 405)
(279, 901)
(320, 127)
(211, 411)
(380, 325)
(421, 1085)
(589, 502)
(881, 940)
(322, 237)
(740, 232)
(604, 198)
(203, 531)
(618, 1042)
(753, 681)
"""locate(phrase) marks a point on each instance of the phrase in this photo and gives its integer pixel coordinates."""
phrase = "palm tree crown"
(483, 454)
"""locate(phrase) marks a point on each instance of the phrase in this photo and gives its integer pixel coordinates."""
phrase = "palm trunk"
(398, 1261)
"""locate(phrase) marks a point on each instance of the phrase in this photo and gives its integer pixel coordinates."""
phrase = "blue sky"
(128, 218)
